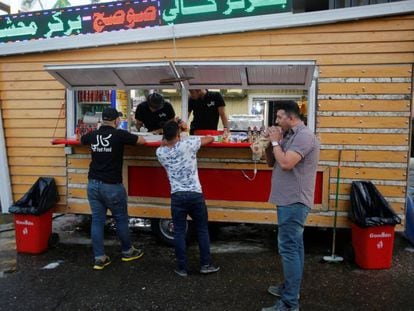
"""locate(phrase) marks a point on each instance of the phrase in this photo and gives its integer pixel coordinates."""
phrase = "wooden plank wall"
(364, 96)
(365, 111)
(33, 109)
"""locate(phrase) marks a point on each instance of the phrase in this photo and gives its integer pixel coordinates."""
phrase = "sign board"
(125, 15)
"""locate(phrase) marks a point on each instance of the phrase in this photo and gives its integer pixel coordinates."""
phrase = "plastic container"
(32, 232)
(373, 246)
(123, 125)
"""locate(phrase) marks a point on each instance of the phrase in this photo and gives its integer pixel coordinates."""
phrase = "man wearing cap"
(207, 107)
(154, 113)
(105, 188)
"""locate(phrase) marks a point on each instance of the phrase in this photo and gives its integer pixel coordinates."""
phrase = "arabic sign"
(79, 20)
(124, 15)
(186, 11)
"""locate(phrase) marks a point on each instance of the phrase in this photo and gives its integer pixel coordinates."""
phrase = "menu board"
(125, 15)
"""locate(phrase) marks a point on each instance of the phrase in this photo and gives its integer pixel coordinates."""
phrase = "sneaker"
(207, 269)
(180, 272)
(101, 263)
(133, 254)
(276, 290)
(280, 306)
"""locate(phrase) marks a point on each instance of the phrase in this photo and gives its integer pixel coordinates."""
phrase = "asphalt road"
(249, 264)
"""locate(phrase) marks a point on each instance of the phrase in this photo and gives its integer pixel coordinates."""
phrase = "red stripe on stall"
(217, 184)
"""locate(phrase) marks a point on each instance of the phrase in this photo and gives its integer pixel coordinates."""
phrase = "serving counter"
(236, 188)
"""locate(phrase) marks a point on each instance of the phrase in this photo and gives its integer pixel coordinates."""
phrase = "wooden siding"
(364, 98)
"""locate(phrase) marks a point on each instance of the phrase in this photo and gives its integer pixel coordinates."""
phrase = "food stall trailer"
(351, 68)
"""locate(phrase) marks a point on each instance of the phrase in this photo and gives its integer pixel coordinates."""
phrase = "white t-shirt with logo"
(180, 162)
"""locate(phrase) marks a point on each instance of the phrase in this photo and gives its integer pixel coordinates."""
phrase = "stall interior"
(252, 90)
(247, 110)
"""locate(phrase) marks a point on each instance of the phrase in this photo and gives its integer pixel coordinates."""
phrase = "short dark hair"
(291, 108)
(155, 101)
(170, 130)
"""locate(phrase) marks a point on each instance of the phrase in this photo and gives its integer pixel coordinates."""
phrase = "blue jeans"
(291, 222)
(102, 197)
(185, 203)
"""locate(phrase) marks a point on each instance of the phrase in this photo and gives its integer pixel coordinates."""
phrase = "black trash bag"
(368, 206)
(40, 198)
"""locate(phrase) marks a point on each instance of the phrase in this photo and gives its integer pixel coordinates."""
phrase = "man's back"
(180, 162)
(107, 147)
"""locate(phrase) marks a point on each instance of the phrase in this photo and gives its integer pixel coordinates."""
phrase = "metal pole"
(333, 257)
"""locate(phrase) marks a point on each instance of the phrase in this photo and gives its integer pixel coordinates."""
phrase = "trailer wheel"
(164, 230)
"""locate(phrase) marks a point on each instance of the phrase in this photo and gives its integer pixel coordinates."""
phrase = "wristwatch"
(275, 143)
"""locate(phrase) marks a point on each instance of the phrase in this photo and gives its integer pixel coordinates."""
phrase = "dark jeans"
(185, 203)
(102, 197)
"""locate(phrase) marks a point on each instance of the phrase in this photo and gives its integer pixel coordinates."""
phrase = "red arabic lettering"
(120, 17)
(149, 14)
(100, 21)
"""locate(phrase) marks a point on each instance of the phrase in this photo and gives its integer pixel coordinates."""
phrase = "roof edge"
(243, 24)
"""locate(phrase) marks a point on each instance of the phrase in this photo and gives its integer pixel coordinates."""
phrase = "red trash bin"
(32, 232)
(373, 246)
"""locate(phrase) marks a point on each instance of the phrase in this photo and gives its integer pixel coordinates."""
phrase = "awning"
(247, 75)
(193, 75)
(113, 76)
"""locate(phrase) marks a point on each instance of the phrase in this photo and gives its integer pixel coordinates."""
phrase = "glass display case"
(89, 107)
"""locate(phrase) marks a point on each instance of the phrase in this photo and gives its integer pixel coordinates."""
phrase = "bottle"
(225, 138)
(262, 132)
(254, 134)
(78, 136)
(249, 135)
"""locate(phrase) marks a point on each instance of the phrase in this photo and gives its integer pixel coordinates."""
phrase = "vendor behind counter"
(153, 113)
(207, 107)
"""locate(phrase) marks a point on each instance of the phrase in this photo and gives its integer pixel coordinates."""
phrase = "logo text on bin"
(25, 223)
(381, 235)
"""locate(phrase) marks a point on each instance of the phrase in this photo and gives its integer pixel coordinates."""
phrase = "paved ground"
(248, 261)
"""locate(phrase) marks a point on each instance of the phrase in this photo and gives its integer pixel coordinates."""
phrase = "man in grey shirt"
(293, 154)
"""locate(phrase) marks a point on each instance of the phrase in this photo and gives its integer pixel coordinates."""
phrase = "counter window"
(248, 109)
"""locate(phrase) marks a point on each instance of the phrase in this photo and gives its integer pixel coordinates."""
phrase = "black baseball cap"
(110, 114)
